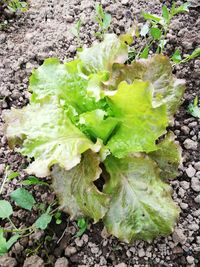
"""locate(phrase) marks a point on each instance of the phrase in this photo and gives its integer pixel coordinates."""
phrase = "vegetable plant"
(98, 125)
(99, 118)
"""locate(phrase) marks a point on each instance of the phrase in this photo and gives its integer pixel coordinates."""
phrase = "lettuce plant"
(100, 118)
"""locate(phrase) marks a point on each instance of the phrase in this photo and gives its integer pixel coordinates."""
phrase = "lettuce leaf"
(101, 56)
(47, 135)
(141, 124)
(97, 125)
(76, 191)
(66, 81)
(167, 156)
(141, 206)
(158, 71)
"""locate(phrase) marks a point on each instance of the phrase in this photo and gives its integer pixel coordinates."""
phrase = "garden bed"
(45, 31)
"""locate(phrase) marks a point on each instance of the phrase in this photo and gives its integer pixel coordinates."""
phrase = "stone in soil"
(6, 261)
(190, 259)
(178, 236)
(122, 264)
(190, 171)
(190, 144)
(70, 251)
(195, 184)
(62, 262)
(34, 261)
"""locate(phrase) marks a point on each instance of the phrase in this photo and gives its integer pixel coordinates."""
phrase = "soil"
(44, 31)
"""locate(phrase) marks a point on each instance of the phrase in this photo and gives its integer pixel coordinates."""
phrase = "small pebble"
(190, 144)
(122, 264)
(70, 251)
(190, 171)
(141, 253)
(69, 19)
(178, 236)
(197, 199)
(197, 166)
(190, 259)
(195, 184)
(62, 262)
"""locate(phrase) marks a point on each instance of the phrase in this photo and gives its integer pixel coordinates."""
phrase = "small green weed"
(82, 225)
(75, 30)
(10, 7)
(25, 200)
(178, 59)
(103, 19)
(9, 175)
(193, 108)
(17, 6)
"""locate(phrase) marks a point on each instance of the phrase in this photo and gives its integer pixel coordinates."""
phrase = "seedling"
(5, 213)
(75, 30)
(82, 225)
(11, 6)
(32, 180)
(193, 108)
(177, 58)
(158, 26)
(43, 221)
(17, 6)
(5, 245)
(103, 19)
(58, 217)
(25, 200)
(9, 175)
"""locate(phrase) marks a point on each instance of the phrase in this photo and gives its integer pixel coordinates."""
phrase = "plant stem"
(3, 183)
(53, 211)
(28, 233)
(18, 229)
(13, 225)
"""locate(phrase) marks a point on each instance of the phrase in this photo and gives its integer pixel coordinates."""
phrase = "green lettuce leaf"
(158, 71)
(47, 135)
(76, 191)
(97, 125)
(167, 89)
(141, 124)
(49, 79)
(167, 156)
(95, 87)
(101, 56)
(67, 82)
(141, 206)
